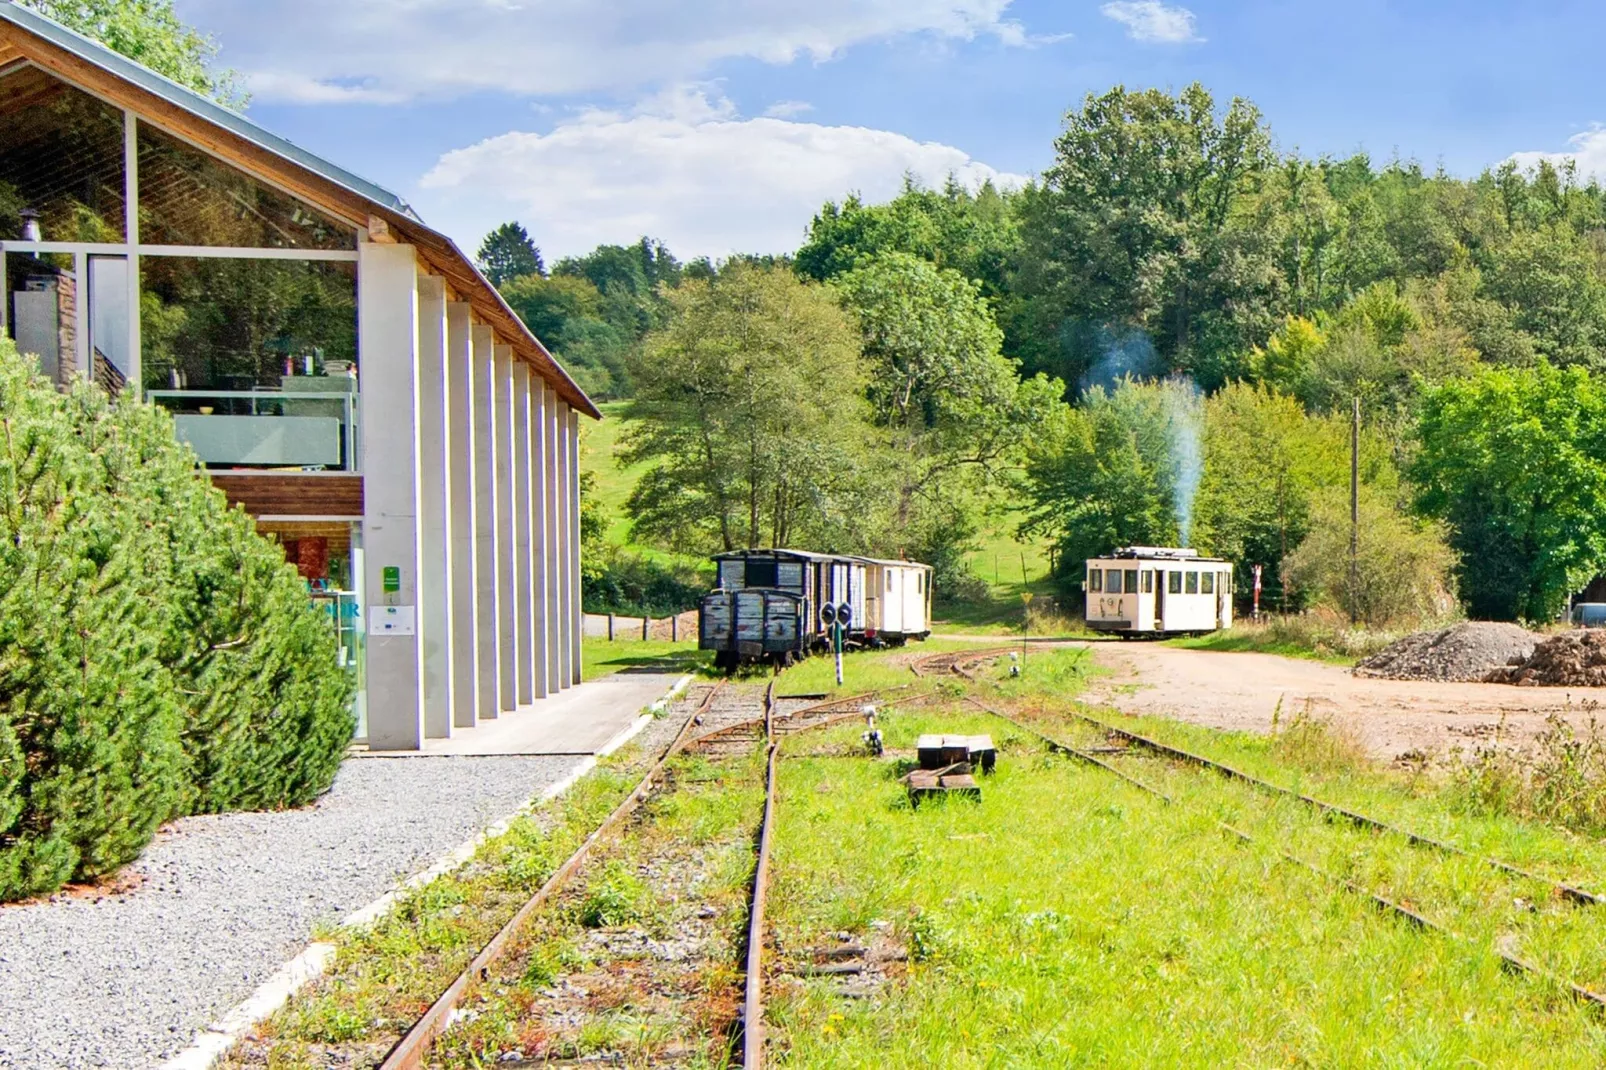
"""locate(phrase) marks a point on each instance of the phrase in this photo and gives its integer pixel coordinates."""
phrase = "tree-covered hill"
(1162, 337)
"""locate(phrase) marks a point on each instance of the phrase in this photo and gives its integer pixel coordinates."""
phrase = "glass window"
(212, 323)
(257, 359)
(1209, 581)
(189, 198)
(61, 165)
(1193, 583)
(1148, 581)
(1174, 582)
(1095, 580)
(1131, 581)
(1112, 581)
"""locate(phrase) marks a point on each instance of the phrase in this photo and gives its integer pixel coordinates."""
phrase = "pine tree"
(508, 253)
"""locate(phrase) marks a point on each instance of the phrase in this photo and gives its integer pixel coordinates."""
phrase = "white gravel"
(126, 981)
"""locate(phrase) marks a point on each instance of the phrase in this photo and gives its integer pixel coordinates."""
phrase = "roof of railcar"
(888, 562)
(1169, 559)
(805, 555)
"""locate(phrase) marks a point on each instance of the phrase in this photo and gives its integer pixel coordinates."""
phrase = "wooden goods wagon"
(818, 579)
(758, 624)
(898, 606)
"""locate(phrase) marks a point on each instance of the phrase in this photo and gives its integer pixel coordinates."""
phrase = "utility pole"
(1355, 515)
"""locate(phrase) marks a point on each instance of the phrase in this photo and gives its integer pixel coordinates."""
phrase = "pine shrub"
(157, 656)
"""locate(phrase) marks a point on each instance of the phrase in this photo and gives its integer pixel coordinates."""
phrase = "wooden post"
(1355, 515)
(674, 628)
(610, 627)
(646, 622)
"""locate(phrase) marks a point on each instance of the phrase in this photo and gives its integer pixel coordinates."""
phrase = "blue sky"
(720, 125)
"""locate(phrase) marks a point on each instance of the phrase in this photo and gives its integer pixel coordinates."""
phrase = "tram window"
(1193, 583)
(1148, 581)
(1173, 583)
(1131, 581)
(1112, 581)
(1095, 580)
(1227, 584)
(1209, 580)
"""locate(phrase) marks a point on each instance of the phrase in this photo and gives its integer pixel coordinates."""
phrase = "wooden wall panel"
(293, 495)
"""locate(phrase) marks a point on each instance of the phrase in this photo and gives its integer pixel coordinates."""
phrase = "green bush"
(631, 584)
(157, 657)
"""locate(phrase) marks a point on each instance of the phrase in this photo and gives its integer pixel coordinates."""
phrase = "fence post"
(646, 622)
(674, 628)
(610, 627)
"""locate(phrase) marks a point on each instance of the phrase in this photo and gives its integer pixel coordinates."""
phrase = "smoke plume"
(1184, 433)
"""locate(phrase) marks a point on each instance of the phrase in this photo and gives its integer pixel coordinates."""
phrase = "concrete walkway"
(581, 721)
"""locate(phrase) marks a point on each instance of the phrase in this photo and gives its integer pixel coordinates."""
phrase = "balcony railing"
(303, 429)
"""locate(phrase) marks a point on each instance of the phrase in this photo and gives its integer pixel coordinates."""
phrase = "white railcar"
(898, 602)
(1152, 591)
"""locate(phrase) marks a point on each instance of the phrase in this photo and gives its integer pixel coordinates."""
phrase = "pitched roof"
(181, 110)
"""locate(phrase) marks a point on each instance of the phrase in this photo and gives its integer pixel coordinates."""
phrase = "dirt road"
(1393, 717)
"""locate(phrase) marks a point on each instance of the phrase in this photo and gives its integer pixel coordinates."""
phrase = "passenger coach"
(1150, 591)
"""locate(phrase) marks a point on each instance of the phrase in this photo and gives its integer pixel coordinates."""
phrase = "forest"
(1160, 340)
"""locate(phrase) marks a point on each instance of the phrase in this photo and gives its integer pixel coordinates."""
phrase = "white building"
(343, 371)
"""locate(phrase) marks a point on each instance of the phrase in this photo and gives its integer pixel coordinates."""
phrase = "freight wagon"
(898, 606)
(803, 584)
(1152, 591)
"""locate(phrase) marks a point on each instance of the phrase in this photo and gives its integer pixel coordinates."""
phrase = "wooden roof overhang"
(184, 114)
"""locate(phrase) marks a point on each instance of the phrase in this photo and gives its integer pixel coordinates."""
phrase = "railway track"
(1510, 960)
(1567, 892)
(728, 740)
(412, 1050)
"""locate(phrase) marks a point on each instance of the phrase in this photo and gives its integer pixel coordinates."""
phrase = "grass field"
(1316, 636)
(600, 657)
(1064, 919)
(614, 481)
(1071, 920)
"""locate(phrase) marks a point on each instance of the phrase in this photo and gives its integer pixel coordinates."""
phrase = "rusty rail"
(753, 1007)
(1577, 896)
(411, 1050)
(1509, 960)
(1571, 893)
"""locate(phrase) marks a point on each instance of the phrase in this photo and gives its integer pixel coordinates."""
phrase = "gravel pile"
(217, 903)
(1467, 652)
(1573, 659)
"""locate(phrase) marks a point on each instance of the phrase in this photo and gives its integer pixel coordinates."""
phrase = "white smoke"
(1124, 353)
(1184, 408)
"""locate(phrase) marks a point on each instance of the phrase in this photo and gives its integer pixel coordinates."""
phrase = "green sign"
(392, 579)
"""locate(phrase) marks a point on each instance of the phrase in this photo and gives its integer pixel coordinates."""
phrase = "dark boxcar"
(818, 579)
(758, 624)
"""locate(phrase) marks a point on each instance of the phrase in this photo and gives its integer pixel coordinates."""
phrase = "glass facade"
(257, 359)
(189, 198)
(61, 169)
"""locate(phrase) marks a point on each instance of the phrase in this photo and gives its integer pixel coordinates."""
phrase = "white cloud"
(385, 50)
(788, 109)
(684, 168)
(1153, 22)
(1588, 148)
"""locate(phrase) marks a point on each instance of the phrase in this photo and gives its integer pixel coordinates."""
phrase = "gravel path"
(1395, 718)
(126, 981)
